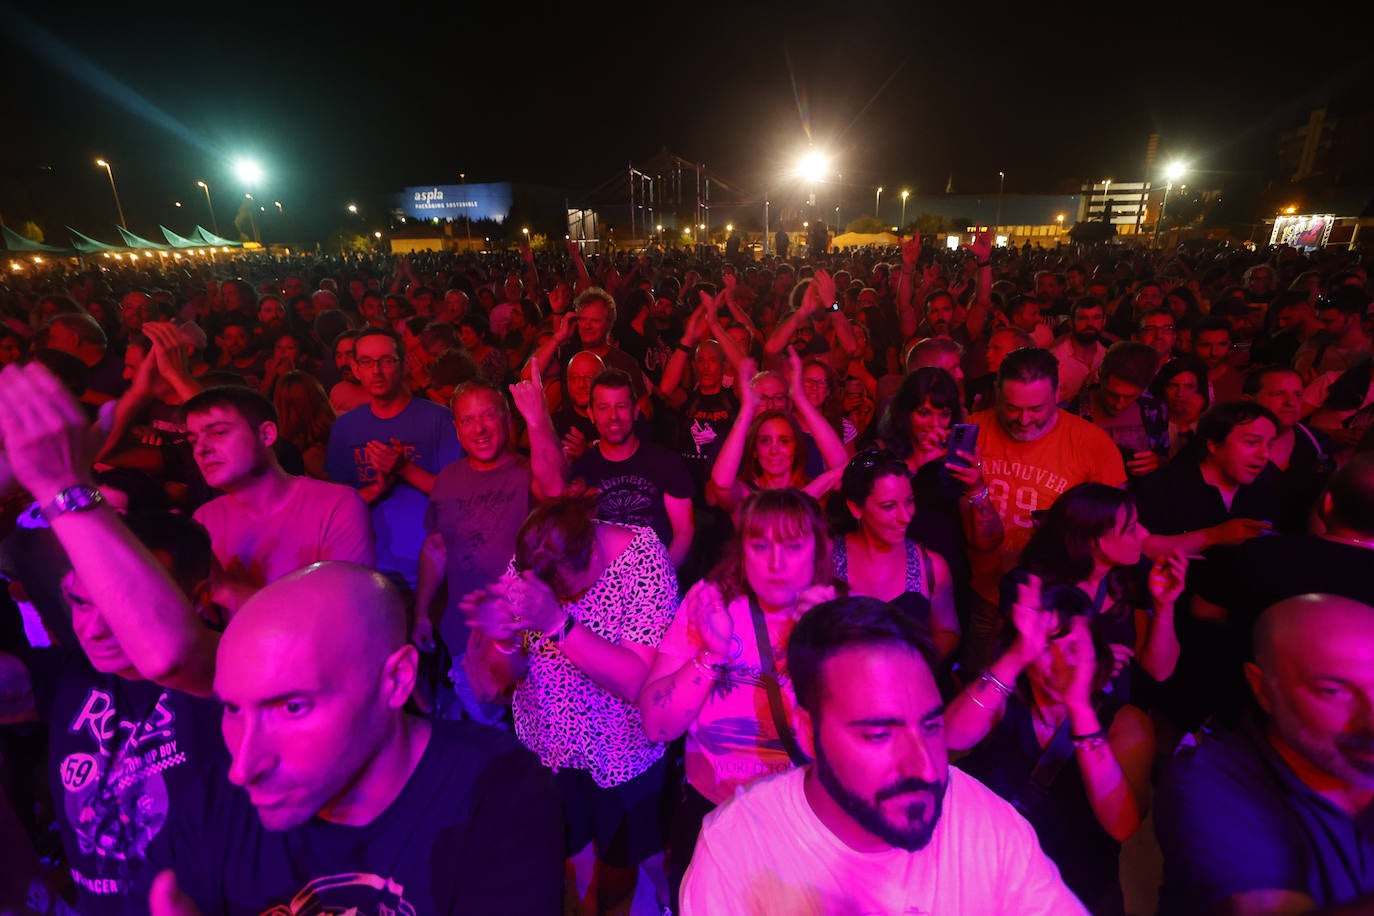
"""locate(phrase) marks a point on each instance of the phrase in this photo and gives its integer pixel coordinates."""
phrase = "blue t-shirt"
(1232, 817)
(425, 430)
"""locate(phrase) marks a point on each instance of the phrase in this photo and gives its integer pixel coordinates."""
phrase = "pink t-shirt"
(733, 741)
(316, 521)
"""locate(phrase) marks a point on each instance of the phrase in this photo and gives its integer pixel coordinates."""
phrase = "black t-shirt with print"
(124, 757)
(631, 491)
(701, 430)
(477, 828)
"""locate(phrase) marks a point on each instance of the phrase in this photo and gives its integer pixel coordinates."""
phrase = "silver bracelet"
(997, 685)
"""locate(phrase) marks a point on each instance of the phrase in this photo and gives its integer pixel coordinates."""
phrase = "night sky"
(347, 104)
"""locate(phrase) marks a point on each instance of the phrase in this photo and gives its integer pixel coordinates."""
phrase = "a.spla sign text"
(453, 201)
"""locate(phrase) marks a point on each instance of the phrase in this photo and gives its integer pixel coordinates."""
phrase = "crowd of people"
(882, 580)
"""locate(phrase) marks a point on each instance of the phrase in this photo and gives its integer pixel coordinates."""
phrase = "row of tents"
(85, 245)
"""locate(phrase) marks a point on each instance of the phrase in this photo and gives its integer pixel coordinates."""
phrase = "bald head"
(586, 361)
(1302, 629)
(335, 601)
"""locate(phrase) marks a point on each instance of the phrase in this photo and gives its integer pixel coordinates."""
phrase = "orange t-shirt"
(1025, 476)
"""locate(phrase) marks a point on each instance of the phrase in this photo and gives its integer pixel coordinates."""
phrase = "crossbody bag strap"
(770, 683)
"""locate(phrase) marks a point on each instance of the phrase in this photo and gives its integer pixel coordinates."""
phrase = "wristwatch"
(79, 498)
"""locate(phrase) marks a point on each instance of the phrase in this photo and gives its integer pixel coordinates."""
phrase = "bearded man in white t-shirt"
(878, 822)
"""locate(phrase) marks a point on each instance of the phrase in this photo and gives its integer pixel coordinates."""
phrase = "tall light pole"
(206, 188)
(905, 195)
(877, 201)
(253, 218)
(1001, 181)
(118, 206)
(1175, 170)
(467, 214)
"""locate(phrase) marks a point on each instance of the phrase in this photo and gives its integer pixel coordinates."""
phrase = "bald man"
(346, 797)
(1272, 817)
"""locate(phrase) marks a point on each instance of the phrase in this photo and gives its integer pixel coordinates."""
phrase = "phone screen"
(963, 437)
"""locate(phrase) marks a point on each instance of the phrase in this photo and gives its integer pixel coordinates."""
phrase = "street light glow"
(813, 166)
(249, 172)
(353, 208)
(1174, 171)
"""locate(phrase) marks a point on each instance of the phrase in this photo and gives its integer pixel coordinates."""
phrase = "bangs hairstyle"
(776, 515)
(926, 385)
(1066, 602)
(558, 535)
(749, 472)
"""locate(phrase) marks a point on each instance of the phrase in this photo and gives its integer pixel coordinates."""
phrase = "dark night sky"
(341, 105)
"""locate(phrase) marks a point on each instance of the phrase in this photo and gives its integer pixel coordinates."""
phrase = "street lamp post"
(206, 188)
(1175, 170)
(905, 195)
(877, 201)
(1001, 182)
(253, 219)
(118, 206)
(467, 214)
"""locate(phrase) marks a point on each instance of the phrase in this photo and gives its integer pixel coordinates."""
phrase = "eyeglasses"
(867, 460)
(386, 362)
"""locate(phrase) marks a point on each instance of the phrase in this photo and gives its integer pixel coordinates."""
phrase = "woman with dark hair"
(876, 556)
(286, 351)
(718, 676)
(570, 633)
(1040, 704)
(1090, 538)
(953, 512)
(765, 450)
(13, 345)
(1182, 385)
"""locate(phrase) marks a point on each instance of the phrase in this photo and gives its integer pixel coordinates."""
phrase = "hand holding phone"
(963, 438)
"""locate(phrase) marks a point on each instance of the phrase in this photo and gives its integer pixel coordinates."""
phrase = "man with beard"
(877, 823)
(1081, 350)
(1266, 818)
(1212, 340)
(639, 482)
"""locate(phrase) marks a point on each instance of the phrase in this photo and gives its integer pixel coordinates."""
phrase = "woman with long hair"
(875, 556)
(765, 450)
(720, 674)
(1090, 538)
(570, 633)
(304, 418)
(1071, 758)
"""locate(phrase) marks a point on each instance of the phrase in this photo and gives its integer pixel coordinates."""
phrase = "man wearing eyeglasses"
(390, 450)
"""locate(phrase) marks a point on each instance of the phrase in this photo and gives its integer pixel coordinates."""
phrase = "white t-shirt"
(317, 521)
(1074, 374)
(766, 852)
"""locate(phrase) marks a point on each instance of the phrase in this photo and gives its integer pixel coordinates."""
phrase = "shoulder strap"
(769, 674)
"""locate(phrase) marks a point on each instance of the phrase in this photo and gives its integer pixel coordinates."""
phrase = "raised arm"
(548, 351)
(724, 488)
(45, 436)
(827, 440)
(670, 385)
(584, 279)
(548, 465)
(976, 318)
(906, 314)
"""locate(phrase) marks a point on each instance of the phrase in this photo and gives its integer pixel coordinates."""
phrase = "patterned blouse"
(560, 713)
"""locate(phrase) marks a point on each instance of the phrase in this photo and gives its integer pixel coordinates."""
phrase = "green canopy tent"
(180, 241)
(87, 245)
(209, 238)
(139, 244)
(21, 245)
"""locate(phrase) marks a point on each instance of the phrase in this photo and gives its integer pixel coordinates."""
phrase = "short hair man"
(1032, 452)
(982, 391)
(573, 419)
(1120, 406)
(1303, 455)
(390, 449)
(475, 511)
(878, 822)
(640, 483)
(1081, 350)
(348, 800)
(591, 323)
(1265, 818)
(1212, 340)
(268, 523)
(1159, 329)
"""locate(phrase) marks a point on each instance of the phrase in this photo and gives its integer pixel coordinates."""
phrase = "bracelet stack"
(987, 677)
(711, 671)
